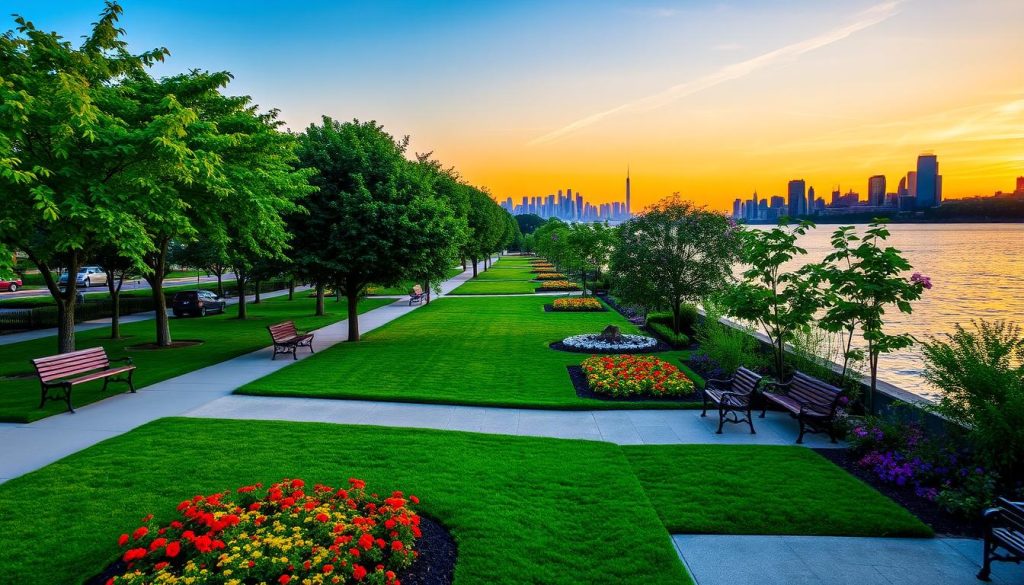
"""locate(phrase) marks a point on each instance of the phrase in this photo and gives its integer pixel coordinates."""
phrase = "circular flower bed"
(550, 276)
(577, 304)
(630, 375)
(277, 535)
(558, 285)
(593, 342)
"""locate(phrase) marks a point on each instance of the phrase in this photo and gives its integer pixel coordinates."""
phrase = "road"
(128, 285)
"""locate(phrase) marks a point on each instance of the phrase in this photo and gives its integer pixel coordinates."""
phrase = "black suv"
(197, 302)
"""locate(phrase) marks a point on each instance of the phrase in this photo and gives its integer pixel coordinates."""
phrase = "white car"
(87, 276)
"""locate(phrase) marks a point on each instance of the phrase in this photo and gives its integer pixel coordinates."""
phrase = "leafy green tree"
(865, 278)
(486, 227)
(591, 246)
(381, 221)
(118, 269)
(208, 255)
(780, 301)
(72, 149)
(529, 222)
(674, 253)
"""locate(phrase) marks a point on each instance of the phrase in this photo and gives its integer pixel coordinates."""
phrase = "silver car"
(87, 276)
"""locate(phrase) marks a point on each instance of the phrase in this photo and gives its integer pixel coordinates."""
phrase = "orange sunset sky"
(710, 99)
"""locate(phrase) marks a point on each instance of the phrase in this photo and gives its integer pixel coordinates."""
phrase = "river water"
(977, 272)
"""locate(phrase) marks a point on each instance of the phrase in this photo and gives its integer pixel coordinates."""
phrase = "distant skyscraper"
(811, 207)
(928, 189)
(912, 184)
(797, 198)
(737, 206)
(876, 190)
(1020, 185)
(901, 191)
(778, 202)
(629, 208)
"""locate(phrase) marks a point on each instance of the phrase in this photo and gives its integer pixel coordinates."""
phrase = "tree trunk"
(256, 285)
(426, 288)
(291, 290)
(463, 264)
(66, 324)
(155, 278)
(115, 303)
(353, 316)
(242, 307)
(65, 299)
(584, 279)
(676, 317)
(475, 262)
(220, 282)
(319, 300)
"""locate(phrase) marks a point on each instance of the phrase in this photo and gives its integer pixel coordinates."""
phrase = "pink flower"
(918, 278)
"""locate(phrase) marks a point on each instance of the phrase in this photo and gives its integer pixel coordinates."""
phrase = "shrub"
(665, 332)
(551, 276)
(980, 372)
(687, 319)
(278, 535)
(728, 347)
(558, 285)
(577, 304)
(633, 375)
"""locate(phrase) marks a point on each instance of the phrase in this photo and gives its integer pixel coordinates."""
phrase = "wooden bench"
(416, 295)
(67, 370)
(809, 400)
(1004, 528)
(732, 396)
(288, 340)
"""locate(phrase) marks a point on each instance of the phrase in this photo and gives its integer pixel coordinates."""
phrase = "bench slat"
(100, 375)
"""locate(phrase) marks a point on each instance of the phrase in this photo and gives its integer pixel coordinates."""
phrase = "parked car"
(197, 303)
(10, 285)
(87, 276)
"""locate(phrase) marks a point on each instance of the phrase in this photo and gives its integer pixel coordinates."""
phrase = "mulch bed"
(579, 382)
(547, 290)
(662, 346)
(552, 309)
(174, 344)
(942, 522)
(434, 566)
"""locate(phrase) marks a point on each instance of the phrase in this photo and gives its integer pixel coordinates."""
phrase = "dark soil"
(434, 566)
(662, 346)
(942, 522)
(174, 344)
(551, 309)
(579, 382)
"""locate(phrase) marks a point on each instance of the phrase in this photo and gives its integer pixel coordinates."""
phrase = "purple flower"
(918, 278)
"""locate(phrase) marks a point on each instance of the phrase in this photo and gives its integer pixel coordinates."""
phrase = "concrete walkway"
(834, 560)
(10, 338)
(624, 427)
(27, 447)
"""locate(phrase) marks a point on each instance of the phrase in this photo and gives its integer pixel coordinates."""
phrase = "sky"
(712, 100)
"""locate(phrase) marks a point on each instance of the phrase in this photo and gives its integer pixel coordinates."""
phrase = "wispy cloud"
(870, 17)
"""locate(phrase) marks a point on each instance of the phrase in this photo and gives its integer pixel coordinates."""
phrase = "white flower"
(592, 341)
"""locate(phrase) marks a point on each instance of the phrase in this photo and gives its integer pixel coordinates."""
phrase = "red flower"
(133, 554)
(328, 569)
(140, 532)
(366, 541)
(123, 540)
(397, 545)
(358, 572)
(321, 517)
(284, 579)
(173, 549)
(357, 483)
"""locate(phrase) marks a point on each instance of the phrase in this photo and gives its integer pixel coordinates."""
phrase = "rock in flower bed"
(558, 286)
(550, 276)
(576, 305)
(277, 535)
(630, 375)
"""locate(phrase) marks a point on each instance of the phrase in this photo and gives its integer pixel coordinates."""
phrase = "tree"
(673, 254)
(591, 246)
(780, 301)
(529, 222)
(207, 255)
(70, 146)
(118, 268)
(486, 228)
(865, 278)
(374, 219)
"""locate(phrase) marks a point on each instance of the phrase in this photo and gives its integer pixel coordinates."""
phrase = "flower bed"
(543, 265)
(558, 286)
(550, 276)
(277, 536)
(544, 271)
(577, 304)
(593, 342)
(630, 375)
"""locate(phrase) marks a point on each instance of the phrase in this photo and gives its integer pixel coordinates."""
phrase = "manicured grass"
(745, 489)
(224, 338)
(522, 510)
(479, 351)
(404, 287)
(495, 287)
(499, 272)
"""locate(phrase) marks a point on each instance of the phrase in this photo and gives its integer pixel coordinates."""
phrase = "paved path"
(10, 338)
(27, 447)
(834, 560)
(624, 427)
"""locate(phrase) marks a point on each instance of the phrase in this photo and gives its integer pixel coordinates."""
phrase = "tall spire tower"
(628, 212)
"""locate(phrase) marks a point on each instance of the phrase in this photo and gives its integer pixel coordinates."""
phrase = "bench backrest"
(1012, 514)
(745, 381)
(813, 391)
(283, 331)
(68, 364)
(417, 290)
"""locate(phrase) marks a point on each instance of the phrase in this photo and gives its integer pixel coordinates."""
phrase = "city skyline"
(571, 207)
(708, 100)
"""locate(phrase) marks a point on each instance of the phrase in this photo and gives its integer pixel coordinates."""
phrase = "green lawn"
(224, 337)
(478, 351)
(499, 272)
(495, 287)
(745, 489)
(404, 287)
(522, 510)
